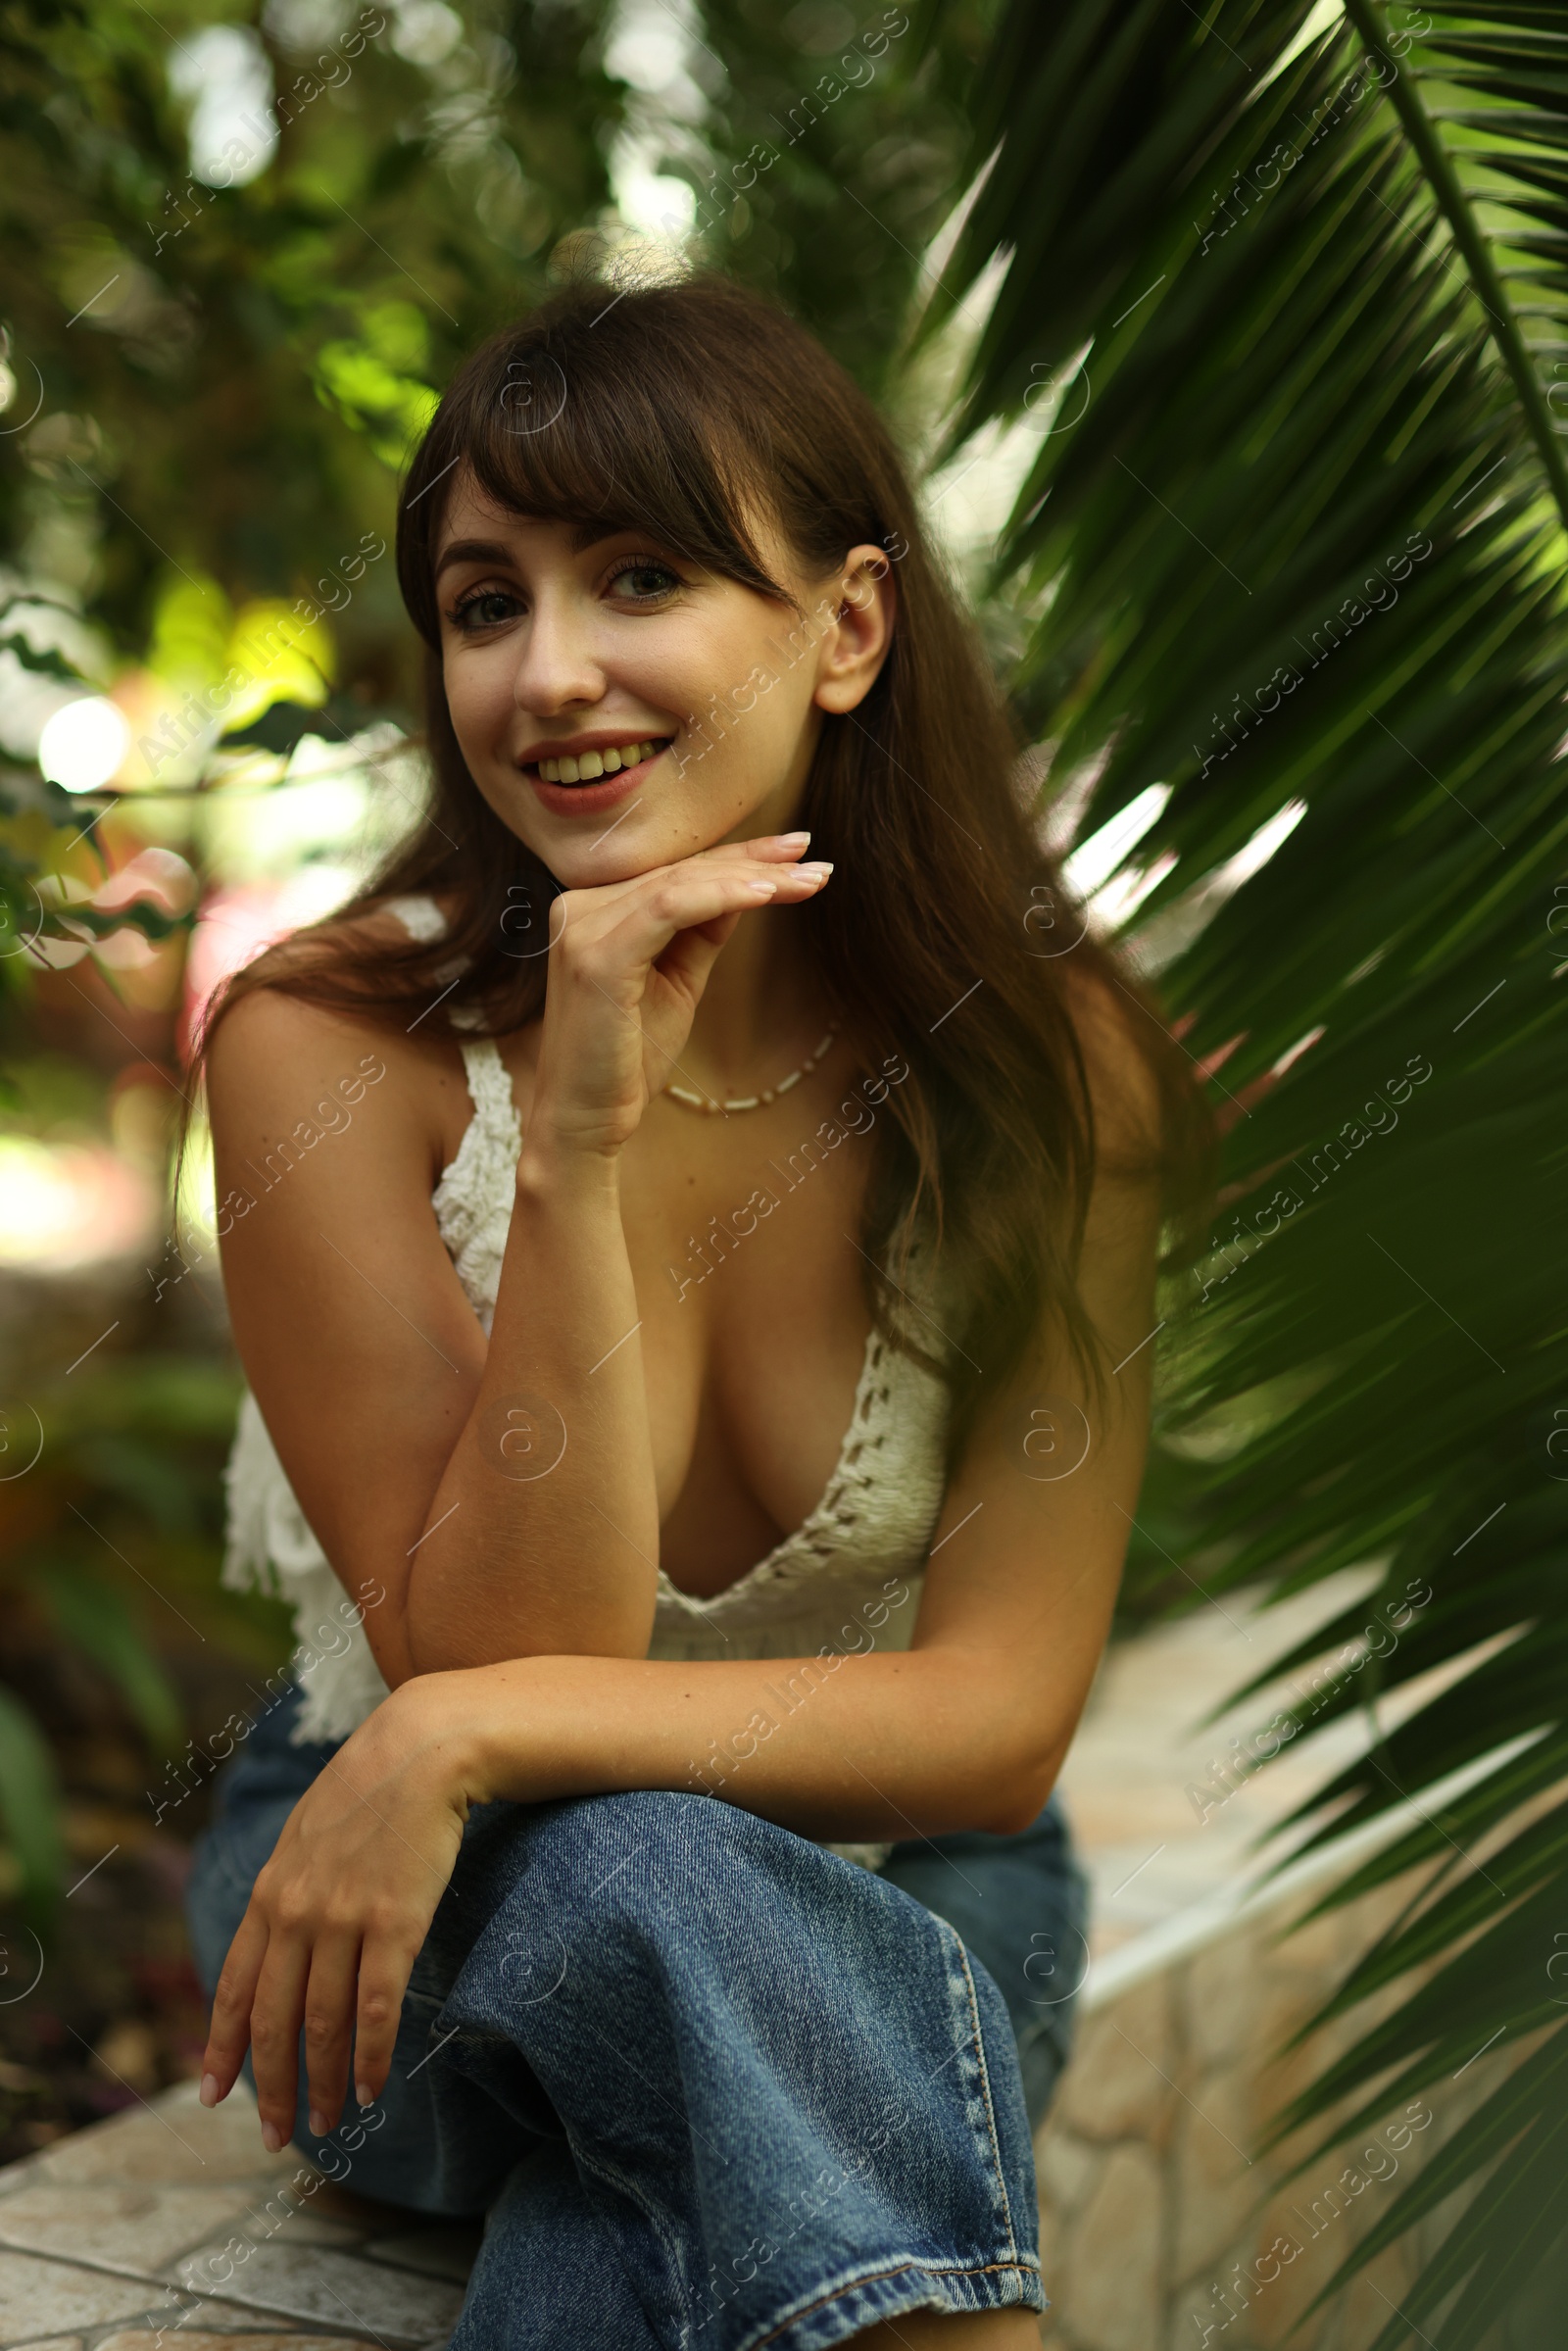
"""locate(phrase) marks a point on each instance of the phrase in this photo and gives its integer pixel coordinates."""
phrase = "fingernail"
(318, 2123)
(761, 889)
(795, 840)
(363, 2092)
(272, 2137)
(814, 873)
(211, 2092)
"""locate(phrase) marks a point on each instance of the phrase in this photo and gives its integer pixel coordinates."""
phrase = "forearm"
(879, 1747)
(543, 1535)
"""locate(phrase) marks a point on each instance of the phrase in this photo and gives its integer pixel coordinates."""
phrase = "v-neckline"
(773, 1561)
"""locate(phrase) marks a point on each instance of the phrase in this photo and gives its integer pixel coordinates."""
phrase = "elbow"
(1013, 1819)
(1017, 1797)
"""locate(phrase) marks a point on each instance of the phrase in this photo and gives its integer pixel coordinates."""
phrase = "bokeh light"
(84, 743)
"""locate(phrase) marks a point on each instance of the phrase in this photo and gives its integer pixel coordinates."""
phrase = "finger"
(386, 1967)
(275, 2018)
(229, 2033)
(689, 958)
(681, 933)
(649, 910)
(612, 949)
(766, 850)
(772, 848)
(701, 892)
(328, 2019)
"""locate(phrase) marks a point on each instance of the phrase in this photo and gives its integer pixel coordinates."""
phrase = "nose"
(558, 665)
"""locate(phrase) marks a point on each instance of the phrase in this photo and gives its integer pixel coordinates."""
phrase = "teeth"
(591, 764)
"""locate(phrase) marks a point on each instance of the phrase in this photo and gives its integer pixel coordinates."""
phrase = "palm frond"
(1282, 307)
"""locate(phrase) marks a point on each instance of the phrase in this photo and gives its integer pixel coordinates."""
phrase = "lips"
(588, 795)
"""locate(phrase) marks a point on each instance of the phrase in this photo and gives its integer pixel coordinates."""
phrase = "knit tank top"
(847, 1581)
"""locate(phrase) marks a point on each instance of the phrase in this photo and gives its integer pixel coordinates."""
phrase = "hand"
(628, 964)
(338, 1915)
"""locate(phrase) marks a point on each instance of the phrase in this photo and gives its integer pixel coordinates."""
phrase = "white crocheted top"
(847, 1581)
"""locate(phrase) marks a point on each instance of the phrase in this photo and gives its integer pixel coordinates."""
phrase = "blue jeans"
(713, 2086)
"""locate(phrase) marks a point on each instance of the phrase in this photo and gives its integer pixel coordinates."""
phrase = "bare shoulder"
(270, 1034)
(270, 1023)
(1124, 1089)
(280, 1063)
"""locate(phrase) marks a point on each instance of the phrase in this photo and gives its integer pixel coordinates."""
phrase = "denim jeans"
(711, 2086)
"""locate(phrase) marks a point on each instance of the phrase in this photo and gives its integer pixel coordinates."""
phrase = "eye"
(483, 607)
(648, 580)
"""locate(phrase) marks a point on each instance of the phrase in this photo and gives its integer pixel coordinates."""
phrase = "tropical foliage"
(1283, 301)
(1262, 302)
(216, 340)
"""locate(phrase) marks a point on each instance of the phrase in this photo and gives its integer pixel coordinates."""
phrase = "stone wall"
(1157, 2202)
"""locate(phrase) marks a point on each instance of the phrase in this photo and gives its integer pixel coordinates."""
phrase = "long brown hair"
(675, 409)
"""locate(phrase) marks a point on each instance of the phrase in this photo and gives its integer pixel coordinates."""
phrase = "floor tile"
(116, 2227)
(175, 2138)
(131, 2339)
(332, 2289)
(39, 2298)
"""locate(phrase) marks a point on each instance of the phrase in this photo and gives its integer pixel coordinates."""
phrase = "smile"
(590, 765)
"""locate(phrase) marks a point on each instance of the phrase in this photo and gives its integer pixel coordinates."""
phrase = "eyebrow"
(491, 551)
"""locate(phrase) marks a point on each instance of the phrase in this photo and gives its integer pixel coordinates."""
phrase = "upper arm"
(1029, 1549)
(359, 1344)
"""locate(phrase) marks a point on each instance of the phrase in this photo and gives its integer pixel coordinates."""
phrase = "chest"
(743, 1236)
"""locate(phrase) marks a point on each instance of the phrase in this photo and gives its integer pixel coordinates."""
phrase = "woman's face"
(618, 707)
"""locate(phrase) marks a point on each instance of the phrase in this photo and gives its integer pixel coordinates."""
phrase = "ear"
(861, 610)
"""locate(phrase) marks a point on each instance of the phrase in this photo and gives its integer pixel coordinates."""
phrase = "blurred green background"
(1230, 345)
(243, 248)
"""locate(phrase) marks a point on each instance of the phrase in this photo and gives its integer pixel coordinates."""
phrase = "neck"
(764, 1010)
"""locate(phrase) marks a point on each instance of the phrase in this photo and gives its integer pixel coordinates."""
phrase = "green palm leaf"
(1280, 336)
(31, 1809)
(99, 1622)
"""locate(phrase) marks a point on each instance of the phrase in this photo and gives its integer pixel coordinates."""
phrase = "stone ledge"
(1151, 2199)
(134, 2229)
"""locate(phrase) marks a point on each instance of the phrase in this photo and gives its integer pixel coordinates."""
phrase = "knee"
(622, 1853)
(585, 1883)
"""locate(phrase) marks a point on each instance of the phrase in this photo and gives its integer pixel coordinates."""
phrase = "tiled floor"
(169, 2216)
(166, 2229)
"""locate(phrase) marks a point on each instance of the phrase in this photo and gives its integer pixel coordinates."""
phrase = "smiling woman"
(686, 1604)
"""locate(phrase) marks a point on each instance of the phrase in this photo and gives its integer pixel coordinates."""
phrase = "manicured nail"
(814, 873)
(318, 2123)
(211, 2093)
(761, 889)
(363, 2092)
(272, 2137)
(794, 840)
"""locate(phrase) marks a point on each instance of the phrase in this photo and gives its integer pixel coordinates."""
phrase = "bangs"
(596, 420)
